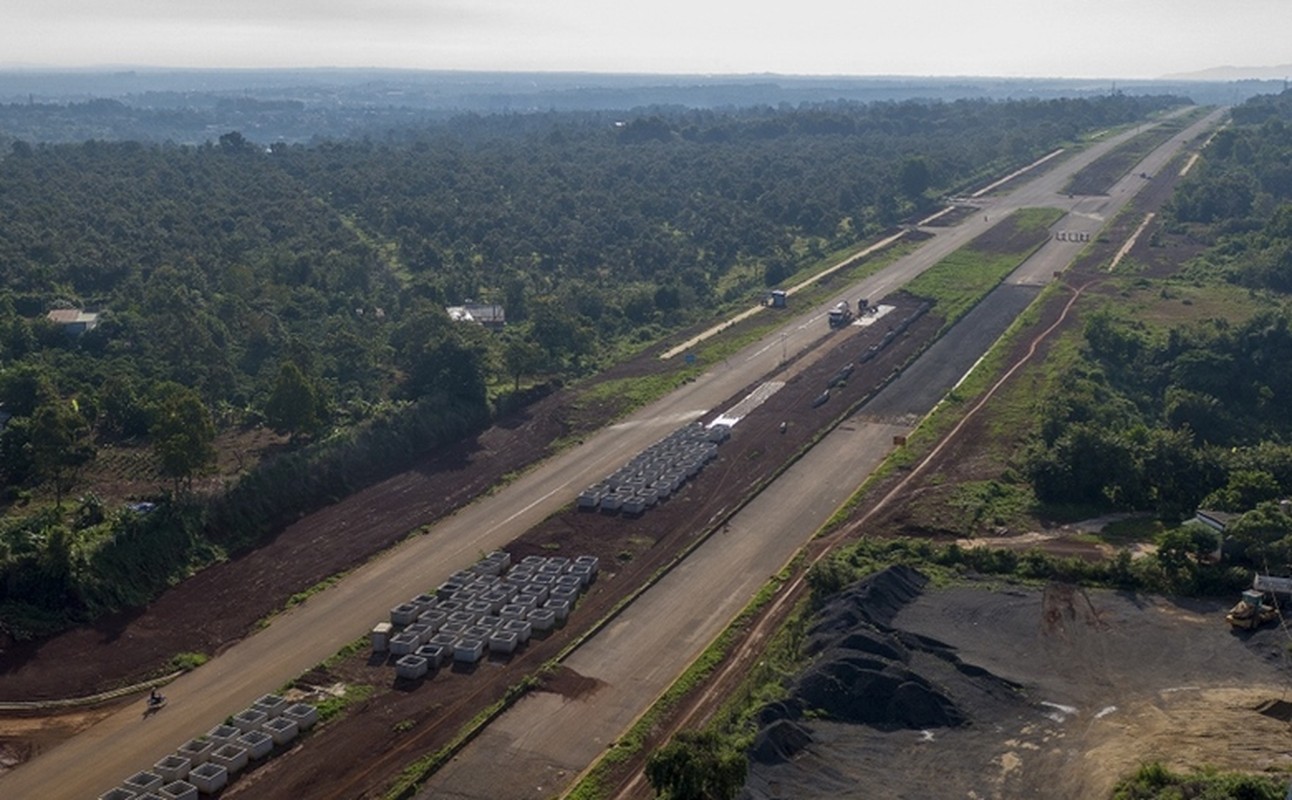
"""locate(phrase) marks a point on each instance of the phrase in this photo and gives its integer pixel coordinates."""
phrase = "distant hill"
(1227, 73)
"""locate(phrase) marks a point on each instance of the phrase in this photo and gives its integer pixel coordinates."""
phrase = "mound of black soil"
(864, 672)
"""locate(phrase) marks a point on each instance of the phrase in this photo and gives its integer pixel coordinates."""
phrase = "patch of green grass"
(332, 706)
(350, 649)
(1132, 531)
(1153, 781)
(983, 505)
(188, 661)
(958, 282)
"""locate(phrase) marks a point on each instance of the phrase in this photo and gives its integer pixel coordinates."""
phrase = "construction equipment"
(1255, 609)
(840, 315)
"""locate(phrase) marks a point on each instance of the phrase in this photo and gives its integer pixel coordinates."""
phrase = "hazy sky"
(1043, 38)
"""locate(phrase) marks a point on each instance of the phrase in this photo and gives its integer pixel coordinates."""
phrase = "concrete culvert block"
(542, 619)
(490, 622)
(476, 632)
(435, 654)
(249, 720)
(173, 768)
(233, 757)
(583, 572)
(149, 796)
(433, 619)
(462, 597)
(117, 793)
(503, 642)
(271, 704)
(411, 667)
(462, 618)
(538, 591)
(559, 607)
(533, 561)
(520, 627)
(404, 613)
(283, 730)
(209, 778)
(479, 607)
(380, 636)
(258, 743)
(179, 790)
(443, 639)
(141, 782)
(421, 630)
(424, 603)
(401, 644)
(512, 611)
(197, 751)
(303, 714)
(571, 580)
(570, 593)
(468, 651)
(496, 598)
(221, 735)
(449, 606)
(445, 590)
(528, 600)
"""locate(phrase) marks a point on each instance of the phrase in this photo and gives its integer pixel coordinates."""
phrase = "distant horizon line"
(1198, 76)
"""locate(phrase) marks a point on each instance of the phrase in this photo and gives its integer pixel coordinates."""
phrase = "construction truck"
(840, 315)
(1255, 609)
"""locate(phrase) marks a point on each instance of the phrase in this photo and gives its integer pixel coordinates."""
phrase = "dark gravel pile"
(867, 673)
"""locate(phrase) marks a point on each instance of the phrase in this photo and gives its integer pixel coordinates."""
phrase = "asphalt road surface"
(125, 742)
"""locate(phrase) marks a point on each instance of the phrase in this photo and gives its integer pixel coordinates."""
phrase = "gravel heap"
(865, 672)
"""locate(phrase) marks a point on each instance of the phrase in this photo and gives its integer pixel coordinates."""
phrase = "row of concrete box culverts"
(207, 764)
(490, 607)
(656, 473)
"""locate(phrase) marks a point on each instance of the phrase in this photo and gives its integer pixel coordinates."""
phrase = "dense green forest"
(303, 288)
(1167, 418)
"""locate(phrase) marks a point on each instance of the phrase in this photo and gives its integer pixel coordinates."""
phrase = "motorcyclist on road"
(155, 697)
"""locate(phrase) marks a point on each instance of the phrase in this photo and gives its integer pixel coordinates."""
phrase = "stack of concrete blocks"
(657, 472)
(206, 764)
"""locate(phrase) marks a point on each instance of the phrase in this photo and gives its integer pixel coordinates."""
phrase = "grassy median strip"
(960, 281)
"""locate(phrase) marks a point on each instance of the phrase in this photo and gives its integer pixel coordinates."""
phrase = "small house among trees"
(488, 315)
(73, 320)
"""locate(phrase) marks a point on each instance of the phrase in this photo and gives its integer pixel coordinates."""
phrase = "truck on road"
(840, 315)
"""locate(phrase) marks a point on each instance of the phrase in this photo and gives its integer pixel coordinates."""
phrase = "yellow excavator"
(1255, 609)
